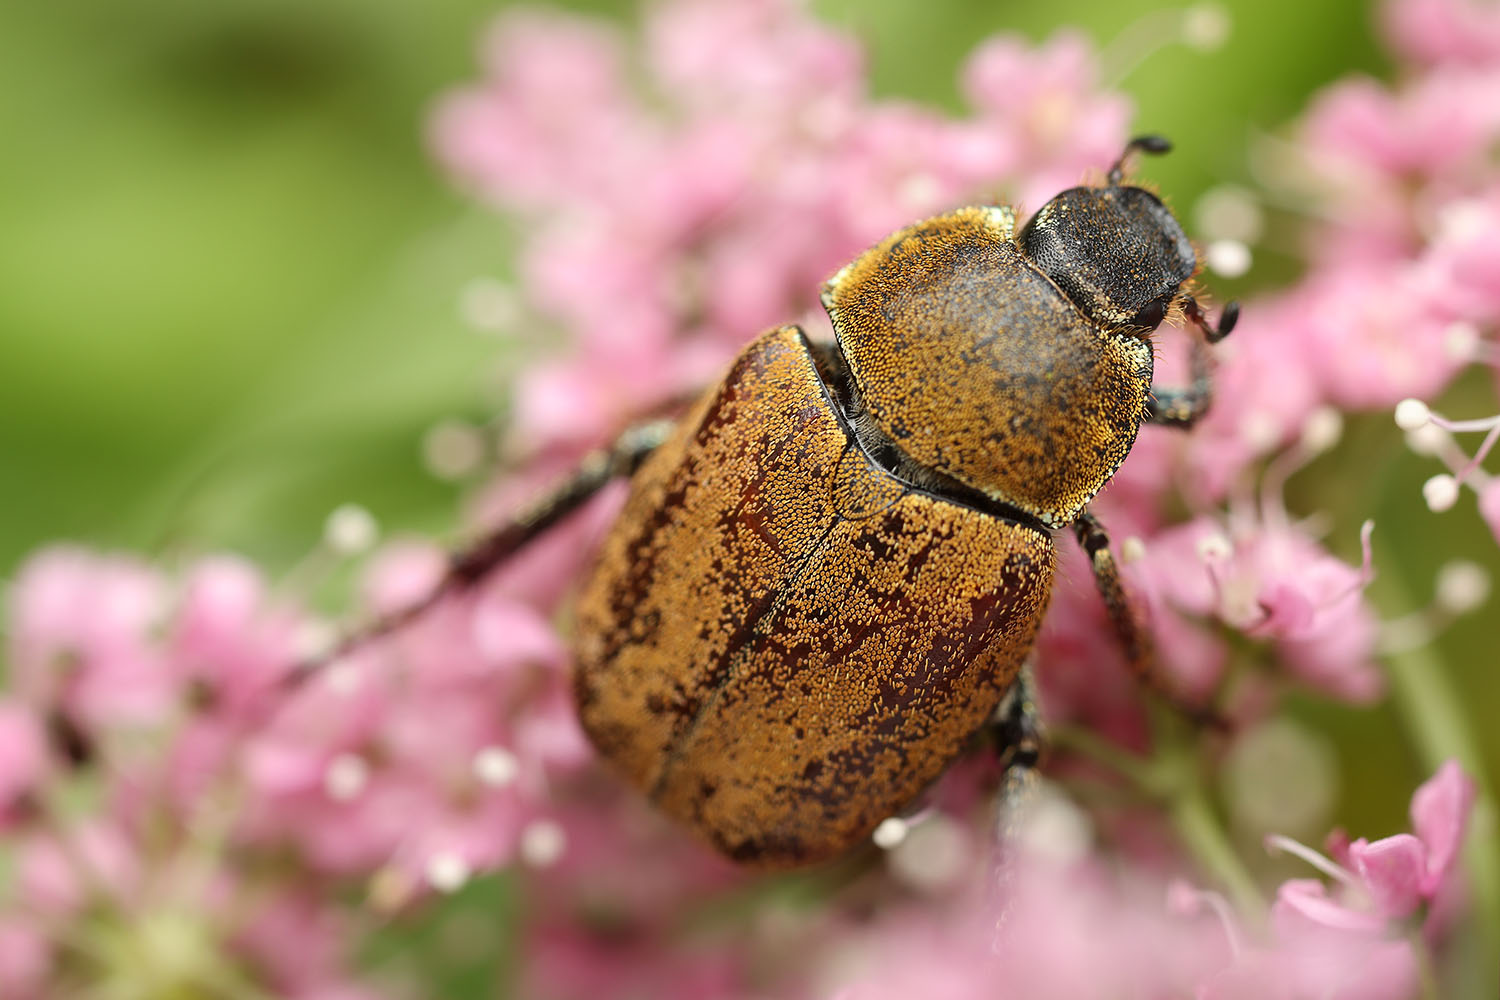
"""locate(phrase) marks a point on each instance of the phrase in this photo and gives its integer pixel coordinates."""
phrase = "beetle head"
(1116, 251)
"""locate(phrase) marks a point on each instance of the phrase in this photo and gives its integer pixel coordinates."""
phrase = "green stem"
(1172, 777)
(1431, 711)
(1196, 824)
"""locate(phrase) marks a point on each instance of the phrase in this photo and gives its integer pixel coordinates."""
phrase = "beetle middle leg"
(1140, 652)
(469, 566)
(1182, 407)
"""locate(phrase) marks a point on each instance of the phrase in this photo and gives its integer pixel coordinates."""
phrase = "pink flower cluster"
(668, 223)
(168, 706)
(1403, 285)
(1070, 928)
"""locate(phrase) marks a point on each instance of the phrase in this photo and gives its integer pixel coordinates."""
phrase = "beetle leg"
(1019, 739)
(1140, 654)
(597, 469)
(1184, 407)
(467, 567)
(1017, 728)
(1213, 334)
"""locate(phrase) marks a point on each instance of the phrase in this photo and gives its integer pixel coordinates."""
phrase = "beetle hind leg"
(1019, 740)
(469, 566)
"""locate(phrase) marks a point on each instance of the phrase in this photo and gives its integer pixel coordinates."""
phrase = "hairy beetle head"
(1116, 251)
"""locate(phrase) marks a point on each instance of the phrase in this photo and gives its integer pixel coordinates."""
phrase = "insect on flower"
(830, 572)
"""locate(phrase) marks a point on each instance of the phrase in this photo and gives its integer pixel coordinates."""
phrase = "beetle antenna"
(1153, 144)
(1213, 334)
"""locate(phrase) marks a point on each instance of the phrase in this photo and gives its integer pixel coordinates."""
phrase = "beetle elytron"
(827, 576)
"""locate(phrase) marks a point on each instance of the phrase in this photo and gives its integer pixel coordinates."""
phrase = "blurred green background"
(229, 276)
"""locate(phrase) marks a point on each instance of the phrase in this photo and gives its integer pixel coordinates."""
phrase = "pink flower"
(748, 170)
(23, 757)
(80, 642)
(25, 960)
(1443, 31)
(1489, 507)
(1270, 581)
(1343, 944)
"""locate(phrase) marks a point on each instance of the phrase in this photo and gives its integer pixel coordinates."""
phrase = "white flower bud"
(350, 530)
(1206, 26)
(1228, 258)
(1440, 492)
(1323, 428)
(490, 305)
(452, 449)
(1429, 439)
(1462, 586)
(1132, 549)
(496, 767)
(542, 843)
(890, 832)
(447, 871)
(1229, 212)
(1461, 341)
(345, 777)
(1411, 414)
(934, 857)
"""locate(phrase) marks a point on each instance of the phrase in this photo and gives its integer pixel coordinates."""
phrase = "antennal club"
(1153, 144)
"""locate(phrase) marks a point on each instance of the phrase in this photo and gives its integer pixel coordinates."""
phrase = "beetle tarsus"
(469, 566)
(1213, 334)
(1140, 653)
(1153, 144)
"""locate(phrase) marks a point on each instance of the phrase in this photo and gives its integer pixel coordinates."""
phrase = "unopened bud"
(1206, 26)
(1429, 440)
(496, 766)
(890, 832)
(1323, 428)
(447, 871)
(542, 843)
(1440, 492)
(350, 530)
(1228, 258)
(1411, 414)
(1462, 586)
(346, 776)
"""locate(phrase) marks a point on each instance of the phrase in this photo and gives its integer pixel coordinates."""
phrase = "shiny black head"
(1116, 250)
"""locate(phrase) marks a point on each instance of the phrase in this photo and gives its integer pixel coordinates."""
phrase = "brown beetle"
(829, 573)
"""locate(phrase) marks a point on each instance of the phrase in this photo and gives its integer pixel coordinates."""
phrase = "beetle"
(828, 574)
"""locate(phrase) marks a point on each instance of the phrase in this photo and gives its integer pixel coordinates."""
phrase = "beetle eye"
(1151, 315)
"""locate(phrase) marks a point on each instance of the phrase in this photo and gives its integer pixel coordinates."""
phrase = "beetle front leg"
(469, 566)
(1182, 407)
(1140, 653)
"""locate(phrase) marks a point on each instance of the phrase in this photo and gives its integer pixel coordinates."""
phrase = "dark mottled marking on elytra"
(897, 630)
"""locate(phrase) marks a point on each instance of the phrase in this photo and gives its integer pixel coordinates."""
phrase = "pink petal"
(23, 752)
(1439, 813)
(1392, 870)
(1305, 902)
